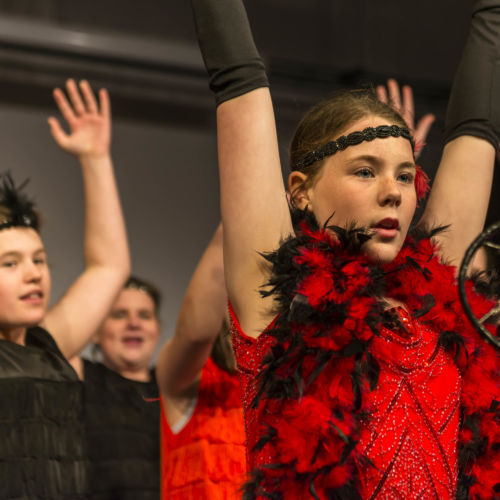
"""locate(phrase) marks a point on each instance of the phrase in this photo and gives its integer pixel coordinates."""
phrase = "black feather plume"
(16, 209)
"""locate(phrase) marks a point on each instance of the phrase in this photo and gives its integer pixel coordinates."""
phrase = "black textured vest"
(122, 435)
(42, 446)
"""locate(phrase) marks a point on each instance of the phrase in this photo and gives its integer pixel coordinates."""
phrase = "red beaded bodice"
(410, 429)
(249, 353)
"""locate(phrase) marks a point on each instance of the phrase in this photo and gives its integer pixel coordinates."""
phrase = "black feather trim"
(420, 233)
(424, 271)
(351, 238)
(345, 492)
(16, 209)
(349, 446)
(463, 485)
(354, 347)
(476, 447)
(312, 488)
(253, 488)
(265, 438)
(487, 283)
(428, 302)
(371, 369)
(452, 341)
(322, 359)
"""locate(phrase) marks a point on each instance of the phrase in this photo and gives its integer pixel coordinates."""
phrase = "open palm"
(403, 103)
(89, 122)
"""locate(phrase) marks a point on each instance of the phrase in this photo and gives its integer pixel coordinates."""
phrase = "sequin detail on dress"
(411, 432)
(249, 353)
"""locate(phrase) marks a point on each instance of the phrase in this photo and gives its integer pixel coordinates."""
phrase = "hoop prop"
(478, 323)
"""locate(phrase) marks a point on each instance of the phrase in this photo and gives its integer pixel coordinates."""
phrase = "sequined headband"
(16, 210)
(354, 138)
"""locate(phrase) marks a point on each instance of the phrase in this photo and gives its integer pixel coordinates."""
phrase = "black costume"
(41, 422)
(122, 428)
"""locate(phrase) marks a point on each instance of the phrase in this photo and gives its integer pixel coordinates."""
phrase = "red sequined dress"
(411, 432)
(206, 459)
(345, 398)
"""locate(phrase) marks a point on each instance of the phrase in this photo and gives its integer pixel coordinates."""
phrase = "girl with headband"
(361, 377)
(43, 450)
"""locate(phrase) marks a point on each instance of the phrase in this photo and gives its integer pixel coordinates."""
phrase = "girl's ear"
(299, 193)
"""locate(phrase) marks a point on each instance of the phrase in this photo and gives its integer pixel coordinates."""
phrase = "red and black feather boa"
(330, 304)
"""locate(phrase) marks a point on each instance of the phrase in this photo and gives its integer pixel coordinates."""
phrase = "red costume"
(347, 398)
(206, 459)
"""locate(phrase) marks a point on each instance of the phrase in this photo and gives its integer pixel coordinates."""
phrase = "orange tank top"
(206, 459)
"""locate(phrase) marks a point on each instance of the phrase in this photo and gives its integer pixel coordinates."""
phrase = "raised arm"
(461, 189)
(77, 315)
(198, 324)
(402, 101)
(253, 201)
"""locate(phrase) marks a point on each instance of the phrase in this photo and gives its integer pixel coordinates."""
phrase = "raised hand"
(402, 101)
(89, 122)
(107, 260)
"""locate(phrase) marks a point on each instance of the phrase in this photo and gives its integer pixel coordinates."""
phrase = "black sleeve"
(474, 104)
(231, 58)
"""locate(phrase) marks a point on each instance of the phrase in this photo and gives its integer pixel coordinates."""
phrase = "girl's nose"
(389, 192)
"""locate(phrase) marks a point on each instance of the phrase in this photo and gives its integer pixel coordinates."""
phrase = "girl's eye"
(118, 314)
(9, 263)
(406, 177)
(146, 315)
(39, 261)
(365, 173)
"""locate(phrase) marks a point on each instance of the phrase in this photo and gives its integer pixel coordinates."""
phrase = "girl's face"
(129, 334)
(24, 279)
(371, 184)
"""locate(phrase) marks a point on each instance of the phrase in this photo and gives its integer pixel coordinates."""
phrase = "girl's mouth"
(133, 341)
(35, 297)
(386, 228)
